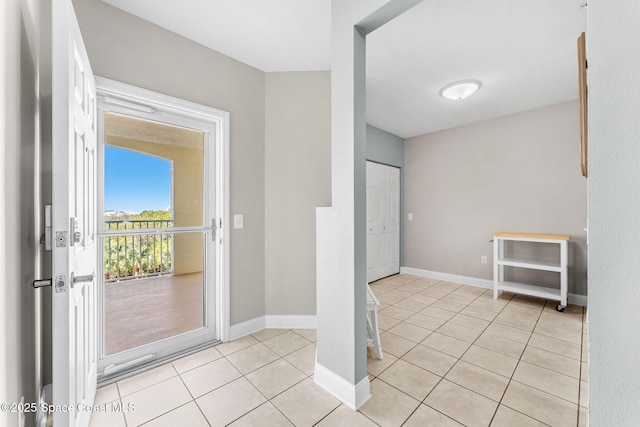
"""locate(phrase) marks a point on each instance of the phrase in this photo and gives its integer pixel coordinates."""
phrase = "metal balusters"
(128, 262)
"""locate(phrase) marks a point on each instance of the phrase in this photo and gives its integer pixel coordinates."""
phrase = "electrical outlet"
(410, 217)
(483, 259)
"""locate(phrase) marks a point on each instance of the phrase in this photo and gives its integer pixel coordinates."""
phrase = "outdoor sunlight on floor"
(142, 311)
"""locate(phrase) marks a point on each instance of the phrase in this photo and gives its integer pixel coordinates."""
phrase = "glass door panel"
(154, 237)
(143, 309)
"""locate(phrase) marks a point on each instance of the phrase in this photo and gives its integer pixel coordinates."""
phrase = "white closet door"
(391, 225)
(383, 216)
(372, 226)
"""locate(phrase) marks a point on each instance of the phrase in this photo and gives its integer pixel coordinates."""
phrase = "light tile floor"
(452, 356)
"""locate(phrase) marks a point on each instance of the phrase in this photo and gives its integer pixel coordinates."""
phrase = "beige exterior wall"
(188, 193)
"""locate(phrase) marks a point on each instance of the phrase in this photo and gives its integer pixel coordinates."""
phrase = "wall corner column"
(341, 360)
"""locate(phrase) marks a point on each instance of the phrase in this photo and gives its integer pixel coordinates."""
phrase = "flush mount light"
(460, 90)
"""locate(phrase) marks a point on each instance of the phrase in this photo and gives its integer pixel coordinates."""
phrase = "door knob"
(81, 279)
(41, 283)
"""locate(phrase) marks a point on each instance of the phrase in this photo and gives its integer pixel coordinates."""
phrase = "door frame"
(147, 104)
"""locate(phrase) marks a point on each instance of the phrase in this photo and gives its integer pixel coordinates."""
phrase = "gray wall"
(388, 149)
(613, 52)
(19, 177)
(125, 48)
(516, 173)
(384, 147)
(297, 179)
(341, 229)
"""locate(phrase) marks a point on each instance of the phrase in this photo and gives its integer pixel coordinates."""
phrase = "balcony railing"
(134, 254)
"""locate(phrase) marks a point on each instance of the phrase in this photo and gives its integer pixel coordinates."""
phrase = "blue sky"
(135, 182)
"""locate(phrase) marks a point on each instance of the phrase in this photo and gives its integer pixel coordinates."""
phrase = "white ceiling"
(523, 51)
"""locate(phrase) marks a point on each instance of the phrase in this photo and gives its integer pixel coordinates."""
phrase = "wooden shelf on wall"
(582, 97)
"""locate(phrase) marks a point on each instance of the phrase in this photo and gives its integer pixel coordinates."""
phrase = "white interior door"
(383, 221)
(373, 238)
(74, 220)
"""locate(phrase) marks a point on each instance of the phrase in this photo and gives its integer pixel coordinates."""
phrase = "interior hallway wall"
(128, 49)
(20, 40)
(613, 53)
(517, 173)
(297, 179)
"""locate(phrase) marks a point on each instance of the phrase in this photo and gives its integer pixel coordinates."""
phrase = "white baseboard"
(455, 278)
(352, 395)
(291, 321)
(247, 327)
(575, 299)
(271, 321)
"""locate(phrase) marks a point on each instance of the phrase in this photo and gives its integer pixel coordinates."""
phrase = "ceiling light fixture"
(460, 90)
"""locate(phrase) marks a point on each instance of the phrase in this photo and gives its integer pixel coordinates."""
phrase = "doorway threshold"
(126, 373)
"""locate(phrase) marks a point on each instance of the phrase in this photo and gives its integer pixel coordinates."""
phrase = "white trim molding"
(352, 395)
(121, 98)
(463, 280)
(271, 321)
(575, 299)
(247, 327)
(291, 321)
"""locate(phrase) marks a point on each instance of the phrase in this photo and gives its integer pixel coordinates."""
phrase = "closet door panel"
(383, 229)
(393, 223)
(372, 226)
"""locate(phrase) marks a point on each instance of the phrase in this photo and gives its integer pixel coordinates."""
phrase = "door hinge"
(47, 236)
(76, 236)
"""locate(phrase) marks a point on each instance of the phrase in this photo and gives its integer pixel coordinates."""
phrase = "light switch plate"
(410, 217)
(238, 221)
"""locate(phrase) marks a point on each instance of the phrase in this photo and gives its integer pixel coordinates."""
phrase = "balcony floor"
(142, 311)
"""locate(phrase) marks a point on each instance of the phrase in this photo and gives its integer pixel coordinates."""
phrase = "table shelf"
(534, 265)
(500, 262)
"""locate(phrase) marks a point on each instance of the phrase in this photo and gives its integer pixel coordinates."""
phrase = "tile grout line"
(530, 332)
(535, 388)
(268, 400)
(260, 391)
(193, 398)
(483, 331)
(540, 313)
(460, 358)
(515, 368)
(421, 402)
(581, 362)
(415, 290)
